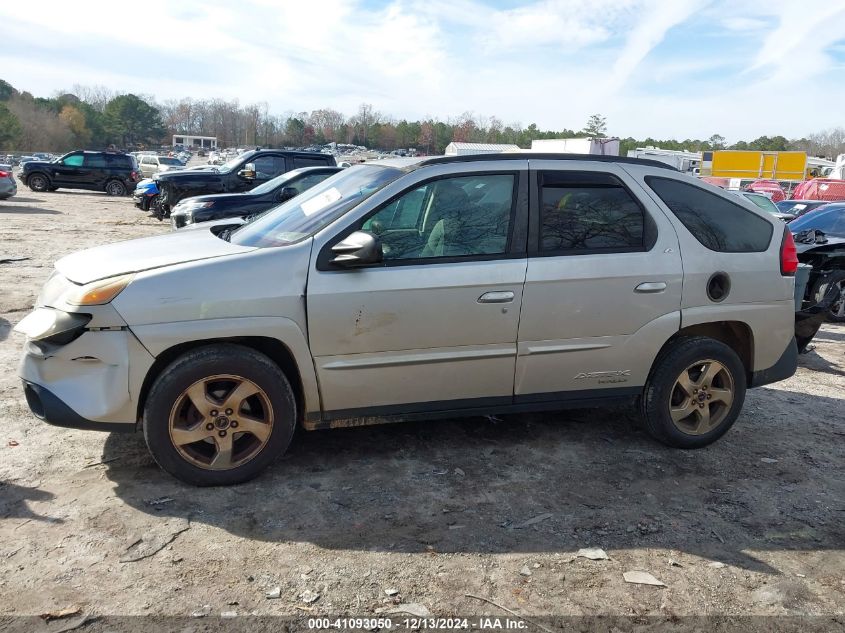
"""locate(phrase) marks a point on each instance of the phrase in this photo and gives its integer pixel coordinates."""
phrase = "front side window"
(449, 217)
(583, 212)
(307, 181)
(717, 223)
(74, 160)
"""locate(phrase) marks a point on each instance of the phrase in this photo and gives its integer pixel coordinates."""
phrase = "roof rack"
(546, 156)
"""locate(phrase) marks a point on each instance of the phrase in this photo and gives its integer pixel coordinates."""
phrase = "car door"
(68, 171)
(432, 327)
(149, 165)
(603, 284)
(94, 171)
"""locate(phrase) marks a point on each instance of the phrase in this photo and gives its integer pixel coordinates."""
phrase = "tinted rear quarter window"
(301, 161)
(719, 224)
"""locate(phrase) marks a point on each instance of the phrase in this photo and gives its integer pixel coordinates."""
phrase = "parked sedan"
(240, 205)
(765, 202)
(799, 207)
(8, 185)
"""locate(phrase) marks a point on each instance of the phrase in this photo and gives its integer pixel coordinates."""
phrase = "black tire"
(660, 389)
(204, 363)
(115, 188)
(39, 183)
(836, 314)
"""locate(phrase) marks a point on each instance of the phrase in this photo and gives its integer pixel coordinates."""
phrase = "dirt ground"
(363, 521)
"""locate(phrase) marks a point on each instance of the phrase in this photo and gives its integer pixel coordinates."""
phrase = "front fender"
(157, 338)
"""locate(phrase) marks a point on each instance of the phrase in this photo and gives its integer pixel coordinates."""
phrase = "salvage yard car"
(241, 205)
(112, 172)
(422, 287)
(8, 185)
(241, 173)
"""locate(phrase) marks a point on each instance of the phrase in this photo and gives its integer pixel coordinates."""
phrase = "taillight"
(788, 254)
(4, 174)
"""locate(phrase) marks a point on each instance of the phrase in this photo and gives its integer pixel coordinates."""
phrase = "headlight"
(98, 292)
(197, 205)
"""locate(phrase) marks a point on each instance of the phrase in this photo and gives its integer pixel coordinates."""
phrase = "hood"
(218, 197)
(34, 163)
(134, 256)
(187, 174)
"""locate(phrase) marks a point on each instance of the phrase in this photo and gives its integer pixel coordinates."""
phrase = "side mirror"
(248, 171)
(358, 249)
(288, 193)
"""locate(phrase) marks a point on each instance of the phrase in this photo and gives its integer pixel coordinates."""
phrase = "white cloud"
(552, 62)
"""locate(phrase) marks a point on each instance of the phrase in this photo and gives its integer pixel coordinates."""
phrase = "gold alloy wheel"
(702, 397)
(221, 422)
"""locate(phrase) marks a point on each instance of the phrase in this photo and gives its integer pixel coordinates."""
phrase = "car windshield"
(306, 214)
(763, 202)
(275, 183)
(829, 220)
(166, 160)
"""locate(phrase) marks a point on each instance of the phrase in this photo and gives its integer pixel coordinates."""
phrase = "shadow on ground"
(29, 210)
(550, 482)
(14, 498)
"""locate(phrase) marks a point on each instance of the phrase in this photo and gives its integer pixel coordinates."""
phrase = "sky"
(659, 68)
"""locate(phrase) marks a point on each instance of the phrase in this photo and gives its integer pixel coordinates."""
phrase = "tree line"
(95, 117)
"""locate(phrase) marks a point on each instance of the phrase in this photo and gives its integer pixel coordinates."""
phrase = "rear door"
(603, 284)
(95, 170)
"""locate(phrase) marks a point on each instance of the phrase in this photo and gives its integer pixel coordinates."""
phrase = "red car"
(828, 189)
(770, 187)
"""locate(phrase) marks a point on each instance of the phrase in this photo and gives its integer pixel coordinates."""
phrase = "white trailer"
(467, 149)
(687, 162)
(596, 146)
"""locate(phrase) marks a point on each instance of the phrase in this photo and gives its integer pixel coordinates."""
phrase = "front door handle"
(500, 296)
(651, 286)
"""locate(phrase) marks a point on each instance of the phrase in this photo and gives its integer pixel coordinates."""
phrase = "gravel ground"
(363, 521)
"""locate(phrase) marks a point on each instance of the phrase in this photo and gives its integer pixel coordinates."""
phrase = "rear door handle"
(651, 286)
(499, 296)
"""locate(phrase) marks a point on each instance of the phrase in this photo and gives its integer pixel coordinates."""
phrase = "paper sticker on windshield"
(310, 207)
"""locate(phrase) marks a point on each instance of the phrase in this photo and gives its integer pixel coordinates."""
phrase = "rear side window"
(584, 212)
(301, 161)
(95, 161)
(118, 160)
(718, 224)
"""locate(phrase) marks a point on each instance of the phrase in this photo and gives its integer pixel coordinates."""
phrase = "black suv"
(113, 172)
(242, 173)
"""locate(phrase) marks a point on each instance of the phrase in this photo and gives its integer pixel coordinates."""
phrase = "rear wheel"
(115, 188)
(38, 182)
(219, 415)
(837, 310)
(694, 394)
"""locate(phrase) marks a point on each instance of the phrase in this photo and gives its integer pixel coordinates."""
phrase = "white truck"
(595, 146)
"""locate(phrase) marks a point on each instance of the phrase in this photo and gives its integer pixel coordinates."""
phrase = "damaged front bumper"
(88, 376)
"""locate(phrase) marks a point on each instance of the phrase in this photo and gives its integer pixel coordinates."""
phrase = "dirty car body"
(414, 288)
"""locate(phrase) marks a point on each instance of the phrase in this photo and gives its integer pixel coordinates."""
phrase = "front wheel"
(836, 314)
(694, 394)
(219, 415)
(38, 182)
(115, 188)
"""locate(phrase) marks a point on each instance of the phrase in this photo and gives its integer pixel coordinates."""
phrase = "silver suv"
(446, 286)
